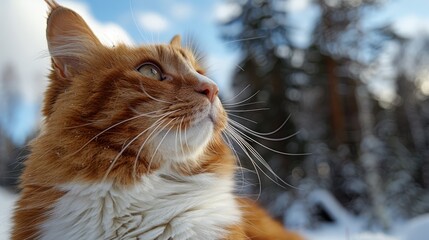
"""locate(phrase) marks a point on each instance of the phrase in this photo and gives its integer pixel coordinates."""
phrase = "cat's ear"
(176, 41)
(69, 39)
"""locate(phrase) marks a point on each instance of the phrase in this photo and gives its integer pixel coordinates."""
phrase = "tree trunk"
(336, 108)
(370, 159)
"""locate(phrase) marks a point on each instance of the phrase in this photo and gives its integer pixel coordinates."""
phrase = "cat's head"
(152, 100)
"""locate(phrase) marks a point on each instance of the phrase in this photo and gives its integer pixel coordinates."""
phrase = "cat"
(131, 147)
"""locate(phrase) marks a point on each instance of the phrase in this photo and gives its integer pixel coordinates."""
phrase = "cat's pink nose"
(208, 89)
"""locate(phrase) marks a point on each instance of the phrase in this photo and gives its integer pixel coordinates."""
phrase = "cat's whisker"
(81, 125)
(176, 139)
(247, 110)
(234, 105)
(151, 97)
(152, 135)
(160, 142)
(180, 138)
(246, 99)
(243, 118)
(230, 133)
(257, 134)
(275, 130)
(142, 114)
(186, 138)
(135, 22)
(238, 94)
(187, 41)
(124, 147)
(158, 123)
(192, 45)
(239, 67)
(244, 39)
(240, 140)
(113, 126)
(149, 114)
(187, 146)
(123, 150)
(245, 136)
(231, 146)
(249, 148)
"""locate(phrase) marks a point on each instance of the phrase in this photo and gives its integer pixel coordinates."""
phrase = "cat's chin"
(215, 115)
(186, 145)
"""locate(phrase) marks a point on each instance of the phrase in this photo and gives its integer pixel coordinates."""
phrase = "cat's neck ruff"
(163, 205)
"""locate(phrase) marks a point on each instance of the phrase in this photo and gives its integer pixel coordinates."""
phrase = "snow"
(7, 200)
(335, 234)
(415, 229)
(348, 228)
(334, 208)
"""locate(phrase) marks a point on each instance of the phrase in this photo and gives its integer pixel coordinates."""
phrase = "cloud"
(22, 41)
(297, 5)
(108, 33)
(182, 11)
(411, 26)
(224, 12)
(153, 22)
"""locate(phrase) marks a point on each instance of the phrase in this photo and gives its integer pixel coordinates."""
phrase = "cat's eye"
(150, 70)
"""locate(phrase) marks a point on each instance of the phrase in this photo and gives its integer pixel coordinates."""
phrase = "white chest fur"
(162, 207)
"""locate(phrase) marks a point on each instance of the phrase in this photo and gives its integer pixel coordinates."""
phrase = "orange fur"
(258, 225)
(92, 88)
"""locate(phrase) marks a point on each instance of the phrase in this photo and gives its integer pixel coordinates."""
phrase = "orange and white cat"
(131, 147)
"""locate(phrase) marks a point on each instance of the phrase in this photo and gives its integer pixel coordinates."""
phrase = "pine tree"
(339, 39)
(263, 37)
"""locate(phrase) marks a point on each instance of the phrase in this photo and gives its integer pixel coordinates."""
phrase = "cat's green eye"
(150, 70)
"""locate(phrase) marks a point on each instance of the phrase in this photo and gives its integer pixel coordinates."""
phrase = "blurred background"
(351, 77)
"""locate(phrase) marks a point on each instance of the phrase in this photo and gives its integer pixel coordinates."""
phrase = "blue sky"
(23, 43)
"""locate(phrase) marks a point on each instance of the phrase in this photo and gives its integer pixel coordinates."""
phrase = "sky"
(134, 22)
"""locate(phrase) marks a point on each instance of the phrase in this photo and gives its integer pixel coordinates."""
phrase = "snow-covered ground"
(416, 229)
(336, 234)
(349, 227)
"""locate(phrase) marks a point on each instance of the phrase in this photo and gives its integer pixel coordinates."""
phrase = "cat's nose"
(209, 89)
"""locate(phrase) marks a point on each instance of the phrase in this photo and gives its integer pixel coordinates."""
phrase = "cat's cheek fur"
(163, 205)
